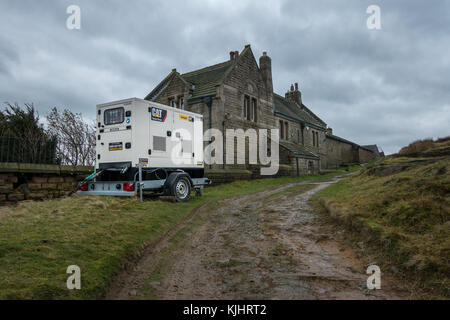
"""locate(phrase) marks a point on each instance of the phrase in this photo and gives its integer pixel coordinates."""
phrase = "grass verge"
(403, 214)
(39, 240)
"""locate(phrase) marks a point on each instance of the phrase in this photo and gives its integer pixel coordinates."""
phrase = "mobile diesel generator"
(146, 146)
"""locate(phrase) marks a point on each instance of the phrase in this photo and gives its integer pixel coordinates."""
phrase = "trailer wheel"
(182, 189)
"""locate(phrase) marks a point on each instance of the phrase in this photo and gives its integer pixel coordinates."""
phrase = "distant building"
(238, 93)
(374, 148)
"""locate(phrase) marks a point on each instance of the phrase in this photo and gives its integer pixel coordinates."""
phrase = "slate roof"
(207, 79)
(203, 82)
(292, 110)
(298, 150)
(373, 148)
(331, 136)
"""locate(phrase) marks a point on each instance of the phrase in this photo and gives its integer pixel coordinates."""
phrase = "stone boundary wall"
(221, 176)
(25, 181)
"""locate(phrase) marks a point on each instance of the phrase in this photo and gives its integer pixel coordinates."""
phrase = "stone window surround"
(284, 129)
(177, 102)
(315, 140)
(253, 107)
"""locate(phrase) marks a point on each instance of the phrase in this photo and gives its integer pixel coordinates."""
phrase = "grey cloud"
(387, 86)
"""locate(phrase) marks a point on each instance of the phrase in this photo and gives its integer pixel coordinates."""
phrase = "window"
(247, 107)
(114, 116)
(254, 110)
(281, 129)
(250, 109)
(298, 135)
(286, 127)
(182, 103)
(315, 138)
(173, 102)
(310, 166)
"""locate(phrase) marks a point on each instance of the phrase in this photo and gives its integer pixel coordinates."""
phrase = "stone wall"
(20, 181)
(221, 176)
(334, 159)
(320, 149)
(294, 128)
(365, 155)
(176, 90)
(340, 153)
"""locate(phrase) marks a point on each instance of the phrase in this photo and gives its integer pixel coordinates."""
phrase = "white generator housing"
(134, 131)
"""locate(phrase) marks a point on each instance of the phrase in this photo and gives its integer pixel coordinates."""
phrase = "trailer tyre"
(182, 189)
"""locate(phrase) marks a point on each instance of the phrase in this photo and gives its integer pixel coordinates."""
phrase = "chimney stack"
(234, 55)
(329, 131)
(294, 95)
(265, 66)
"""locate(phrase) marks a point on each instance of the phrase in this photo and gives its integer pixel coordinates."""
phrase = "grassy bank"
(401, 209)
(39, 240)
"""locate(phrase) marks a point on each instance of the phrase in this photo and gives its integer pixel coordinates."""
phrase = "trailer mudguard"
(171, 179)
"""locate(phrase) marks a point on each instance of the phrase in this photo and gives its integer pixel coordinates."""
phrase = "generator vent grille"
(159, 143)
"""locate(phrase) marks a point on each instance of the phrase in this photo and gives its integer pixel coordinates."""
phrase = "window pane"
(114, 116)
(245, 108)
(287, 130)
(281, 130)
(255, 111)
(247, 102)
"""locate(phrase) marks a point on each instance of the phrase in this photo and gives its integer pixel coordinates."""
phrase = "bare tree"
(76, 137)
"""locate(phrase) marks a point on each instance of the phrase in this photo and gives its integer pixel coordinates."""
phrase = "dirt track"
(268, 245)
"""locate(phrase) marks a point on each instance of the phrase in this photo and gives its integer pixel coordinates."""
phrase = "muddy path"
(268, 245)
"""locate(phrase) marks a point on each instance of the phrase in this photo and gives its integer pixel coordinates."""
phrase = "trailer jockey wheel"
(182, 189)
(198, 192)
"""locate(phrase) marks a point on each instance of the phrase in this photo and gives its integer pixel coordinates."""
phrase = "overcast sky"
(386, 87)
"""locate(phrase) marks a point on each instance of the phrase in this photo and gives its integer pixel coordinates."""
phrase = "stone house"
(238, 93)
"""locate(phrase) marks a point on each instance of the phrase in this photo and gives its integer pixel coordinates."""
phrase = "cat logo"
(158, 114)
